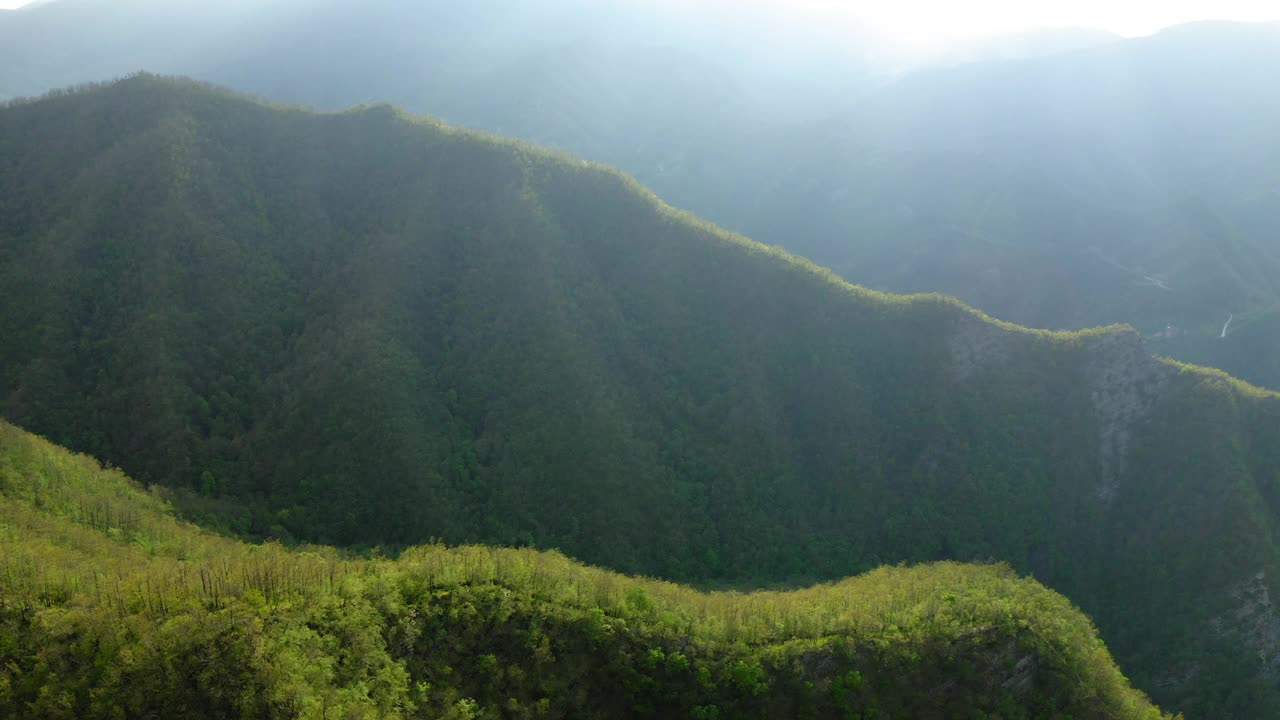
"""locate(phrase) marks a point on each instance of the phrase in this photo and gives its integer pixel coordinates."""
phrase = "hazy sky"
(926, 23)
(922, 24)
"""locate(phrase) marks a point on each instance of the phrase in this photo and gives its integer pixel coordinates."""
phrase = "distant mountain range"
(1134, 182)
(1037, 42)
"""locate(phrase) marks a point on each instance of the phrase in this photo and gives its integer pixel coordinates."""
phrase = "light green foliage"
(94, 626)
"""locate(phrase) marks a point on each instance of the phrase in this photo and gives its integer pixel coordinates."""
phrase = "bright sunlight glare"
(923, 25)
(921, 22)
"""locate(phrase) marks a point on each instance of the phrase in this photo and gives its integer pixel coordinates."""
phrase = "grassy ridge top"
(109, 604)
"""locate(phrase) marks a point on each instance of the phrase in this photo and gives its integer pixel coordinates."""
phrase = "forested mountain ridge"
(1123, 183)
(110, 607)
(1130, 181)
(371, 328)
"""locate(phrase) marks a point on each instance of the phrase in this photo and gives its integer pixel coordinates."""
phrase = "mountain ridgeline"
(1070, 180)
(366, 328)
(1133, 182)
(110, 607)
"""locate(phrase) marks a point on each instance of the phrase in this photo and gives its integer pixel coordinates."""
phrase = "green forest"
(112, 607)
(373, 331)
(1082, 180)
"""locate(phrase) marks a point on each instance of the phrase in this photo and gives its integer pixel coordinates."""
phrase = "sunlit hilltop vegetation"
(111, 607)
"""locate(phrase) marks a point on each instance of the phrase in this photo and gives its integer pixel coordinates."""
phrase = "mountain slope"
(1112, 184)
(372, 329)
(1122, 182)
(1118, 184)
(109, 605)
(660, 92)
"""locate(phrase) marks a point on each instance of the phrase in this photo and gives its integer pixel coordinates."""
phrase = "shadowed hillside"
(110, 607)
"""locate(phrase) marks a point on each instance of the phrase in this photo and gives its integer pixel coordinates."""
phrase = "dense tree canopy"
(367, 329)
(1080, 182)
(109, 607)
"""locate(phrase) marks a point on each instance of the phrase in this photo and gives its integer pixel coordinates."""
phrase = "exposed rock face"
(996, 663)
(1124, 379)
(1022, 676)
(1254, 622)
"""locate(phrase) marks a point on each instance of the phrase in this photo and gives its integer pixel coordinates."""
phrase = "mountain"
(1032, 43)
(1069, 180)
(112, 607)
(1122, 183)
(670, 92)
(366, 328)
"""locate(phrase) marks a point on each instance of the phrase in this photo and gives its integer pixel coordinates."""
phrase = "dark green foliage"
(143, 616)
(370, 330)
(1132, 181)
